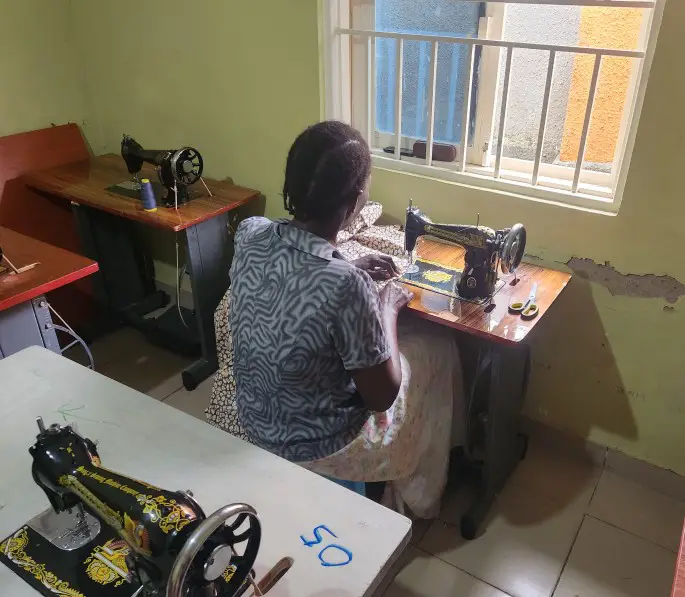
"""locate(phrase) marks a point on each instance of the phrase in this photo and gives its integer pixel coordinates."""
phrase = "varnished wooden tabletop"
(56, 268)
(85, 183)
(493, 321)
(679, 579)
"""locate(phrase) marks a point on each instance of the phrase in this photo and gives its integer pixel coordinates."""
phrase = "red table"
(57, 268)
(24, 313)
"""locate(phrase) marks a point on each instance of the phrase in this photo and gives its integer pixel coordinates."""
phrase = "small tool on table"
(14, 269)
(529, 309)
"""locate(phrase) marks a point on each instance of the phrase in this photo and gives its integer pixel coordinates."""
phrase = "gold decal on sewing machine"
(110, 516)
(136, 535)
(227, 574)
(15, 550)
(107, 563)
(69, 449)
(143, 483)
(460, 238)
(174, 520)
(128, 529)
(113, 483)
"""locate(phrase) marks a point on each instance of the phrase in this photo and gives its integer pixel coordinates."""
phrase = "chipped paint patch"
(618, 284)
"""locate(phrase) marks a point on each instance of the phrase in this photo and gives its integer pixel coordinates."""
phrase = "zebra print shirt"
(302, 318)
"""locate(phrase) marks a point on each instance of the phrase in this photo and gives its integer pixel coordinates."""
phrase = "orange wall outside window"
(606, 28)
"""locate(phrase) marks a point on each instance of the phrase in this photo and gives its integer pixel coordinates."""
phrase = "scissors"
(529, 309)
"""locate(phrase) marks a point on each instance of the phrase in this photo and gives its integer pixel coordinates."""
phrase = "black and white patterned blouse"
(302, 318)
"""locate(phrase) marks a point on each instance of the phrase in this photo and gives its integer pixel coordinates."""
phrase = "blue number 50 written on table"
(325, 561)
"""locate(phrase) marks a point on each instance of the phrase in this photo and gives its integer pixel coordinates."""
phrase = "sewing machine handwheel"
(197, 539)
(513, 248)
(179, 162)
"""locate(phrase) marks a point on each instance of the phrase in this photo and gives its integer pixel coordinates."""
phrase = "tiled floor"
(565, 526)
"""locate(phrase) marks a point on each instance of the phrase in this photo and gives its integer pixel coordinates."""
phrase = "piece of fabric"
(302, 318)
(409, 444)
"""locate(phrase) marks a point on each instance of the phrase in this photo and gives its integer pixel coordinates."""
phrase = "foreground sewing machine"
(486, 251)
(108, 530)
(177, 169)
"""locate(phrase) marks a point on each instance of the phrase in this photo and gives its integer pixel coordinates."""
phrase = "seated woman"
(319, 378)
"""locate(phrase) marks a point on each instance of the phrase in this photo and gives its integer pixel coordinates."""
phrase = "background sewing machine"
(177, 170)
(107, 534)
(486, 252)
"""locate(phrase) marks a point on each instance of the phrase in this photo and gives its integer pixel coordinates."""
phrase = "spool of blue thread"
(147, 194)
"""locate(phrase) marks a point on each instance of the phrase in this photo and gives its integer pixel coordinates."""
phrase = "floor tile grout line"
(176, 391)
(568, 556)
(672, 495)
(615, 526)
(606, 457)
(485, 582)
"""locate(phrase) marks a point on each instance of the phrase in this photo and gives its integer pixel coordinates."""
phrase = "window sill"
(481, 179)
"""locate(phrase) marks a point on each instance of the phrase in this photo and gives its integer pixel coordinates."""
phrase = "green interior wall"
(41, 77)
(239, 79)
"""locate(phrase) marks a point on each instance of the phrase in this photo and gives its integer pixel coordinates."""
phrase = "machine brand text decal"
(461, 238)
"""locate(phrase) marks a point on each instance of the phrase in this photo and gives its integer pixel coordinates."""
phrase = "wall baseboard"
(662, 480)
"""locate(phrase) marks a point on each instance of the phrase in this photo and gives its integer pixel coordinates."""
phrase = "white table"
(146, 439)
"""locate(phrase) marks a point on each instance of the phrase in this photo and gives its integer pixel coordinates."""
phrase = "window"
(538, 98)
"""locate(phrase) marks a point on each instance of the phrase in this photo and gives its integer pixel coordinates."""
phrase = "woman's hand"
(379, 267)
(394, 298)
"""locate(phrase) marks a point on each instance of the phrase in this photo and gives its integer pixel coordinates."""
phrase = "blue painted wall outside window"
(431, 17)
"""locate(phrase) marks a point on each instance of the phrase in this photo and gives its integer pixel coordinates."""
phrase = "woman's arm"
(380, 384)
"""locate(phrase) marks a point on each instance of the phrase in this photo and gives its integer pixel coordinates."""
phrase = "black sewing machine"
(177, 169)
(108, 534)
(487, 250)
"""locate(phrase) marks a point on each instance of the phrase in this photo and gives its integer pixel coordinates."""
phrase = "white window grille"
(368, 83)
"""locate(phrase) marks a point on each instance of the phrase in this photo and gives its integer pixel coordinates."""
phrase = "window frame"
(345, 86)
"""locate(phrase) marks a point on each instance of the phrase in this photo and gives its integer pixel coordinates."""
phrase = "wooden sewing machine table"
(146, 439)
(109, 226)
(504, 366)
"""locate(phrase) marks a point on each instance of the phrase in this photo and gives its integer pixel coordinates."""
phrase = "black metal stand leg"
(504, 446)
(126, 276)
(210, 251)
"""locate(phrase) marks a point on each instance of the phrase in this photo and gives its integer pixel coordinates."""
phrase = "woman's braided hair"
(328, 166)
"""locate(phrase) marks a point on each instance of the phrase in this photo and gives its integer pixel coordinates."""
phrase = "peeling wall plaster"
(643, 286)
